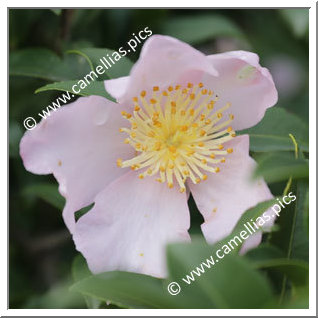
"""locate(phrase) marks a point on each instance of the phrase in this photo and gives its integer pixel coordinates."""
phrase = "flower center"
(177, 135)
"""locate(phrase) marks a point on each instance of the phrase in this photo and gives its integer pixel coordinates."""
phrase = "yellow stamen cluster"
(177, 134)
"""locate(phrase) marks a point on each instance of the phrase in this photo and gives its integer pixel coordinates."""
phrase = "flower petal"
(225, 196)
(245, 84)
(163, 61)
(79, 144)
(130, 224)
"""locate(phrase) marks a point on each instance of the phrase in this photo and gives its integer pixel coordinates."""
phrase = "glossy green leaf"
(94, 88)
(296, 270)
(230, 283)
(197, 29)
(272, 133)
(104, 58)
(128, 290)
(80, 271)
(45, 64)
(280, 166)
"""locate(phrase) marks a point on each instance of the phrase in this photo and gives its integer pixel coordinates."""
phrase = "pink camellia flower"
(171, 132)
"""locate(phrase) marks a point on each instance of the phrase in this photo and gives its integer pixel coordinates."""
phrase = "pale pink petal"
(117, 86)
(163, 61)
(130, 224)
(79, 144)
(225, 196)
(245, 84)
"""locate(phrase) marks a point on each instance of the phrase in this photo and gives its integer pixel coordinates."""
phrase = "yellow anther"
(182, 112)
(133, 125)
(119, 162)
(191, 111)
(141, 176)
(217, 169)
(223, 160)
(220, 147)
(211, 105)
(202, 117)
(200, 85)
(162, 169)
(229, 129)
(177, 87)
(205, 177)
(138, 146)
(201, 144)
(170, 88)
(170, 185)
(190, 85)
(173, 111)
(204, 91)
(155, 88)
(195, 125)
(220, 115)
(197, 180)
(184, 91)
(210, 92)
(157, 145)
(137, 108)
(186, 172)
(233, 134)
(181, 190)
(164, 93)
(192, 96)
(123, 113)
(133, 135)
(184, 128)
(208, 121)
(212, 155)
(153, 101)
(159, 180)
(121, 130)
(190, 152)
(173, 104)
(204, 161)
(231, 116)
(143, 94)
(202, 133)
(172, 149)
(151, 134)
(126, 141)
(149, 171)
(171, 166)
(135, 99)
(229, 150)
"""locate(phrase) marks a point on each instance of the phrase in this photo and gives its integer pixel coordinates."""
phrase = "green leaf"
(94, 88)
(45, 64)
(47, 192)
(197, 29)
(57, 297)
(230, 283)
(98, 56)
(128, 290)
(296, 270)
(280, 166)
(80, 271)
(297, 19)
(272, 133)
(57, 11)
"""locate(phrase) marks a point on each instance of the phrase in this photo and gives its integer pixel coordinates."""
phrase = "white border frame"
(312, 181)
